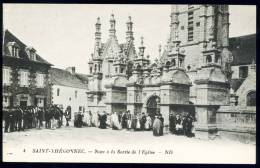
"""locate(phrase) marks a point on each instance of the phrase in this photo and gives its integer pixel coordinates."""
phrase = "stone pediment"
(211, 74)
(176, 76)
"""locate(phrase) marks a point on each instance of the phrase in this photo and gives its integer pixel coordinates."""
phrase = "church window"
(180, 62)
(190, 26)
(217, 59)
(251, 99)
(208, 59)
(243, 71)
(168, 63)
(95, 69)
(173, 62)
(76, 93)
(58, 91)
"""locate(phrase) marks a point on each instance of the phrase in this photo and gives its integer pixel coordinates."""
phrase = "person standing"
(102, 119)
(148, 123)
(19, 117)
(187, 125)
(7, 118)
(179, 127)
(128, 119)
(157, 127)
(133, 121)
(68, 115)
(124, 120)
(39, 117)
(143, 121)
(172, 123)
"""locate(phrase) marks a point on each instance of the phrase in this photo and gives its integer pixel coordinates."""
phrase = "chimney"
(71, 70)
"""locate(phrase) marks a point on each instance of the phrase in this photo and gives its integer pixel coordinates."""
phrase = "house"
(68, 88)
(25, 74)
(243, 66)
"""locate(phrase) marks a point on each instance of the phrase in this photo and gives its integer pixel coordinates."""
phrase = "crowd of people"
(181, 125)
(23, 118)
(136, 122)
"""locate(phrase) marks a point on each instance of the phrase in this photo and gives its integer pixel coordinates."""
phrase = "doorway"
(153, 106)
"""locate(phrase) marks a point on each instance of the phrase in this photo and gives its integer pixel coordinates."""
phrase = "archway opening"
(250, 99)
(153, 106)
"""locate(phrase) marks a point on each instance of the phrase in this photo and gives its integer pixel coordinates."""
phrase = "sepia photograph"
(129, 83)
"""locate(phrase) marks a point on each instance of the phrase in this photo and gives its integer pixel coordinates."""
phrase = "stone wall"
(237, 123)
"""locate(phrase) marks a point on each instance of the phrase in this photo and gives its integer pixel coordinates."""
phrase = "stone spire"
(129, 32)
(112, 30)
(97, 37)
(141, 48)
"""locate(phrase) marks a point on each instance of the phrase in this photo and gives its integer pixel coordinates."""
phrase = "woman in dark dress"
(102, 119)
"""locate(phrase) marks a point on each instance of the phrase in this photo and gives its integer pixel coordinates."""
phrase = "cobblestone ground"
(185, 150)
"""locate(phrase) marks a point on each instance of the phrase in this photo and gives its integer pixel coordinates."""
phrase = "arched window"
(99, 67)
(58, 92)
(208, 59)
(95, 69)
(138, 67)
(180, 62)
(217, 59)
(250, 99)
(90, 69)
(188, 67)
(168, 63)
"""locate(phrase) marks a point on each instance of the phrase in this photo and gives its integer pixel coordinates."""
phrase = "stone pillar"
(212, 92)
(165, 111)
(206, 126)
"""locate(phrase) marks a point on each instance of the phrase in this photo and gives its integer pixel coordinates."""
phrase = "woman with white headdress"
(115, 121)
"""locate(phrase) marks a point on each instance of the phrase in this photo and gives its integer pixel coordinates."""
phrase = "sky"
(63, 34)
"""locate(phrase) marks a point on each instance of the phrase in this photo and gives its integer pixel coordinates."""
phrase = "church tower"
(197, 27)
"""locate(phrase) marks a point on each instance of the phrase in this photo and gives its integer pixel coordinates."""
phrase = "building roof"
(236, 83)
(9, 38)
(65, 78)
(243, 49)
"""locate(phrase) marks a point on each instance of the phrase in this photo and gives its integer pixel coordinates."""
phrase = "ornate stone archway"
(153, 105)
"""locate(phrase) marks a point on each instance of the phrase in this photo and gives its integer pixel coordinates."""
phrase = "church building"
(190, 76)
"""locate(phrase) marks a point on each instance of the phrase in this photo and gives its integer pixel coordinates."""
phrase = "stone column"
(212, 92)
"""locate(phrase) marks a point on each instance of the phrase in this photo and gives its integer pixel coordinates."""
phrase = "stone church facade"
(191, 75)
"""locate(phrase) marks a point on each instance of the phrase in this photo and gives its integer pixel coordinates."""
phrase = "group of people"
(22, 118)
(118, 121)
(181, 125)
(18, 118)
